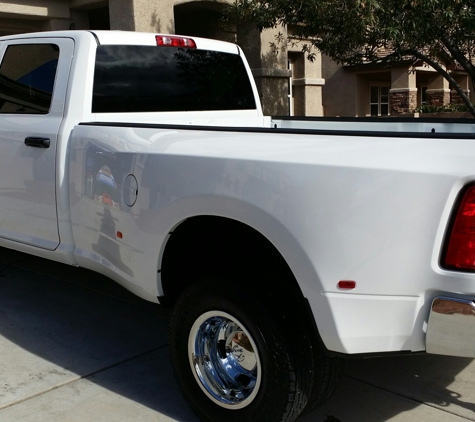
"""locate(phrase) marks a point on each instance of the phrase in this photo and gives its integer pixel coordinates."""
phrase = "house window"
(423, 93)
(379, 100)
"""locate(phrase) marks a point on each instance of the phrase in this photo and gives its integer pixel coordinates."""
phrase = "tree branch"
(446, 75)
(459, 56)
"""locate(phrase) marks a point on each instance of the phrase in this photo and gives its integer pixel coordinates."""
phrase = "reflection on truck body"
(105, 188)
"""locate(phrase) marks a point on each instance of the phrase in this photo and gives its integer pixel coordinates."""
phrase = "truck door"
(33, 80)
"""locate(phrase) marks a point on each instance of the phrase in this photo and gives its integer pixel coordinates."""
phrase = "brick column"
(455, 97)
(402, 100)
(403, 92)
(438, 92)
(438, 97)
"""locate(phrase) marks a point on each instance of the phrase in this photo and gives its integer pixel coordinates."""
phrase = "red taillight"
(460, 246)
(172, 41)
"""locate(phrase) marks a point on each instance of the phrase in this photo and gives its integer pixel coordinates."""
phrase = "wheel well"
(216, 246)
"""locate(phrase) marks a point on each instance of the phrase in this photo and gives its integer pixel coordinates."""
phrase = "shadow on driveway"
(59, 324)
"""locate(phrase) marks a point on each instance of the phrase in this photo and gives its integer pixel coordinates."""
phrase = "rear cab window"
(130, 78)
(27, 78)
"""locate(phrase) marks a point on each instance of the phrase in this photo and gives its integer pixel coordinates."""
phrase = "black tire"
(327, 376)
(279, 386)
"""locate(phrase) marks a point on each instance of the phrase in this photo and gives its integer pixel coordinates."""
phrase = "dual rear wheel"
(238, 356)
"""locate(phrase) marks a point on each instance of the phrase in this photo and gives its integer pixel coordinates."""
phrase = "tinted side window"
(27, 76)
(149, 78)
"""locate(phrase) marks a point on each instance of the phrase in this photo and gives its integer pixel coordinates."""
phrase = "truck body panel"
(336, 208)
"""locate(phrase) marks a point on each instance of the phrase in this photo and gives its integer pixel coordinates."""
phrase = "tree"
(438, 32)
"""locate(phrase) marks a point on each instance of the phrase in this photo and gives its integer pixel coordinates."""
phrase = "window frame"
(379, 103)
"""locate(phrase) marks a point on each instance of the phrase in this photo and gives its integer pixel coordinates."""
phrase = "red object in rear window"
(460, 245)
(163, 41)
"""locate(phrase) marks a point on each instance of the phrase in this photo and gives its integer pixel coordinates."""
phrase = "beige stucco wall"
(307, 81)
(340, 90)
(35, 9)
(44, 15)
(268, 61)
(402, 78)
(142, 15)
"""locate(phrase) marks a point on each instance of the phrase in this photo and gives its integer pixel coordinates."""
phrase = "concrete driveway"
(76, 347)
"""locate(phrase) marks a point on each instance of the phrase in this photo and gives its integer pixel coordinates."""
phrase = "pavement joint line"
(80, 377)
(408, 398)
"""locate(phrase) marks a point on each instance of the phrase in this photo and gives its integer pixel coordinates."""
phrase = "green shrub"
(447, 108)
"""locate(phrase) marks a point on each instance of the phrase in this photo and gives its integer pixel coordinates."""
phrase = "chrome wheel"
(224, 360)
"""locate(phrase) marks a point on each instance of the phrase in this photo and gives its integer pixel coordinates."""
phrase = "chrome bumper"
(451, 327)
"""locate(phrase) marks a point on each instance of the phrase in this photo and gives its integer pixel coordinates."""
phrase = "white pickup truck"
(283, 244)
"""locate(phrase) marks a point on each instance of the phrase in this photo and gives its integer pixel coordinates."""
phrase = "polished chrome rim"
(224, 360)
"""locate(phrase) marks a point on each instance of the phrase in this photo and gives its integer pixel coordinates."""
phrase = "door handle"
(32, 141)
